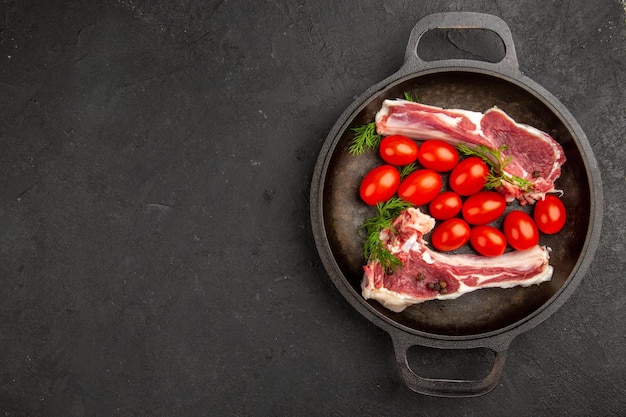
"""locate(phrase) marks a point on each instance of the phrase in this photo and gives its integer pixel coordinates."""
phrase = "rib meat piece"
(535, 155)
(427, 275)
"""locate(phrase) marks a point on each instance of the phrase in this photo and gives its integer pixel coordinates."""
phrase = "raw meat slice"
(535, 155)
(427, 275)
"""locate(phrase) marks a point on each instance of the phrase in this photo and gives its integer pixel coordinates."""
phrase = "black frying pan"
(488, 318)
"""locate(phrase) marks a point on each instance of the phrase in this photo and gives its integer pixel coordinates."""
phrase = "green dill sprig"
(497, 162)
(407, 169)
(411, 97)
(373, 248)
(365, 138)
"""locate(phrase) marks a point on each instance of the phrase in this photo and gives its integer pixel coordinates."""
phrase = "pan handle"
(460, 20)
(448, 387)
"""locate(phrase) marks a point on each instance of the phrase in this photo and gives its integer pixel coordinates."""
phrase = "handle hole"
(460, 364)
(476, 44)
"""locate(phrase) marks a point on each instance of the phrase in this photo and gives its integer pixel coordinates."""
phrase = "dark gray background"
(156, 257)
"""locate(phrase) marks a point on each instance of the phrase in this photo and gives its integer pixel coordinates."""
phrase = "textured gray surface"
(157, 259)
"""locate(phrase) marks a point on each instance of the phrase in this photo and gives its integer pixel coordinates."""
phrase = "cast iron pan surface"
(488, 318)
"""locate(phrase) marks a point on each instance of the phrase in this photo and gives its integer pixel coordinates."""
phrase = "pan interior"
(484, 310)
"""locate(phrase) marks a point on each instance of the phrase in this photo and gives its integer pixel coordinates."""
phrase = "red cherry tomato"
(420, 186)
(445, 205)
(487, 240)
(549, 214)
(468, 177)
(520, 230)
(451, 234)
(438, 155)
(483, 207)
(380, 184)
(398, 150)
